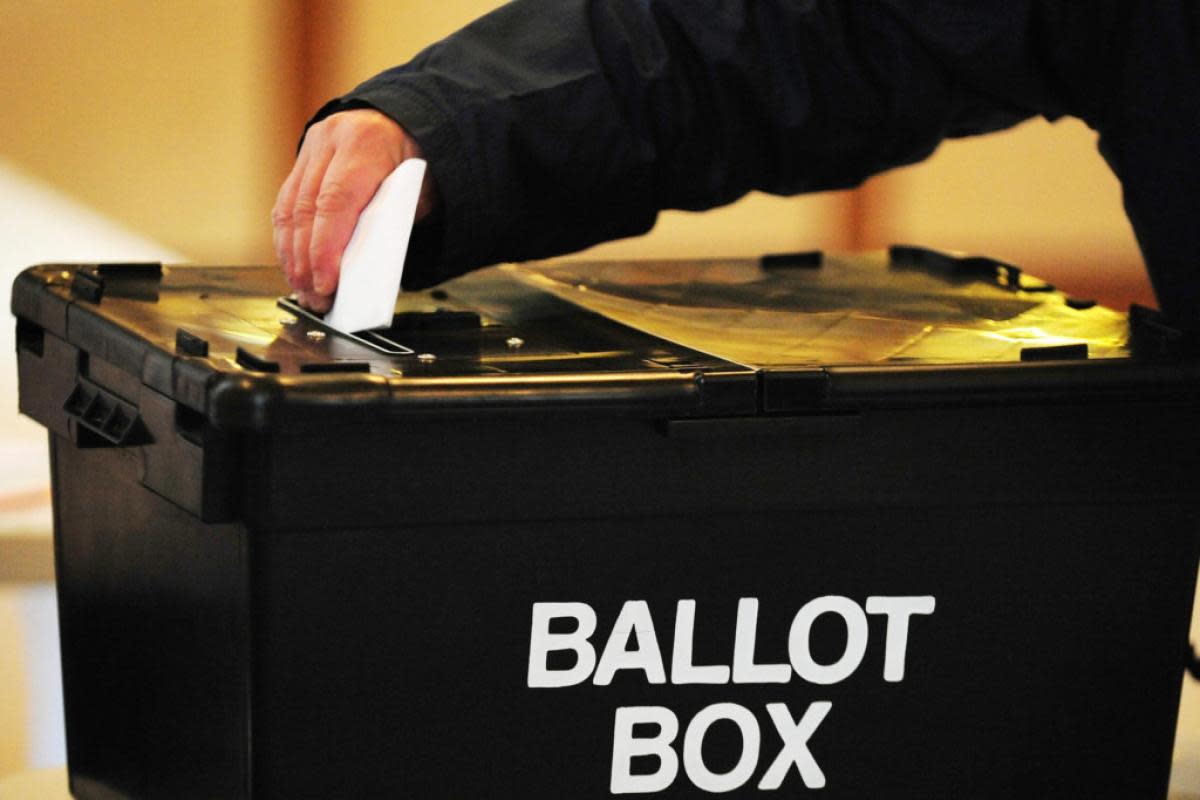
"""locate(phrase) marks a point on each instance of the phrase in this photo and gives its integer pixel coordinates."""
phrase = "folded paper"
(373, 262)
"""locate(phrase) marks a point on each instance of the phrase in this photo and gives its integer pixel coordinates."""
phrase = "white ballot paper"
(374, 260)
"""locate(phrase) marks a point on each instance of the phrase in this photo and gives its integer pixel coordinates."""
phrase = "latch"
(135, 280)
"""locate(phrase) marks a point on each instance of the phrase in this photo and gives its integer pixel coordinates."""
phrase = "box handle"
(98, 418)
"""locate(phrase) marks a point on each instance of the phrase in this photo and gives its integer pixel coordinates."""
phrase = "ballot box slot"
(378, 341)
(317, 367)
(381, 342)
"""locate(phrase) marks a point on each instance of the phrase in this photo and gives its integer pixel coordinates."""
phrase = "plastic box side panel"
(154, 624)
(1050, 668)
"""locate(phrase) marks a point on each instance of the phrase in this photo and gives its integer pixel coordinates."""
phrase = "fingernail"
(321, 284)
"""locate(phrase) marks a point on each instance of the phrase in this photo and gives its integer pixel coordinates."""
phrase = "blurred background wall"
(174, 118)
(177, 121)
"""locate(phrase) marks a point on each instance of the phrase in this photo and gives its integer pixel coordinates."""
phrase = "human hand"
(341, 163)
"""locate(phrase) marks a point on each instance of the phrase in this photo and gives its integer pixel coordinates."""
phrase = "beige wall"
(377, 34)
(172, 117)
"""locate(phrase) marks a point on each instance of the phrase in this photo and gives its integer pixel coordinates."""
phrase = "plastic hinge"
(808, 259)
(98, 412)
(190, 344)
(801, 390)
(725, 392)
(1056, 352)
(87, 285)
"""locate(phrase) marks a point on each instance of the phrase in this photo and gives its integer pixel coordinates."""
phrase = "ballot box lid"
(800, 333)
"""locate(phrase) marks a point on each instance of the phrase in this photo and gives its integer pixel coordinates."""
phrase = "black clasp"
(137, 280)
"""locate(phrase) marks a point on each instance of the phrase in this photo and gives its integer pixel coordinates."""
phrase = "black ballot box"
(894, 525)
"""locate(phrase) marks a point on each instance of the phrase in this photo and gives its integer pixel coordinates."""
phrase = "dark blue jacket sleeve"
(551, 125)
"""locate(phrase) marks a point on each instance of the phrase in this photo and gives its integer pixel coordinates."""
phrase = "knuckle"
(334, 198)
(371, 128)
(303, 210)
(281, 217)
(316, 133)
